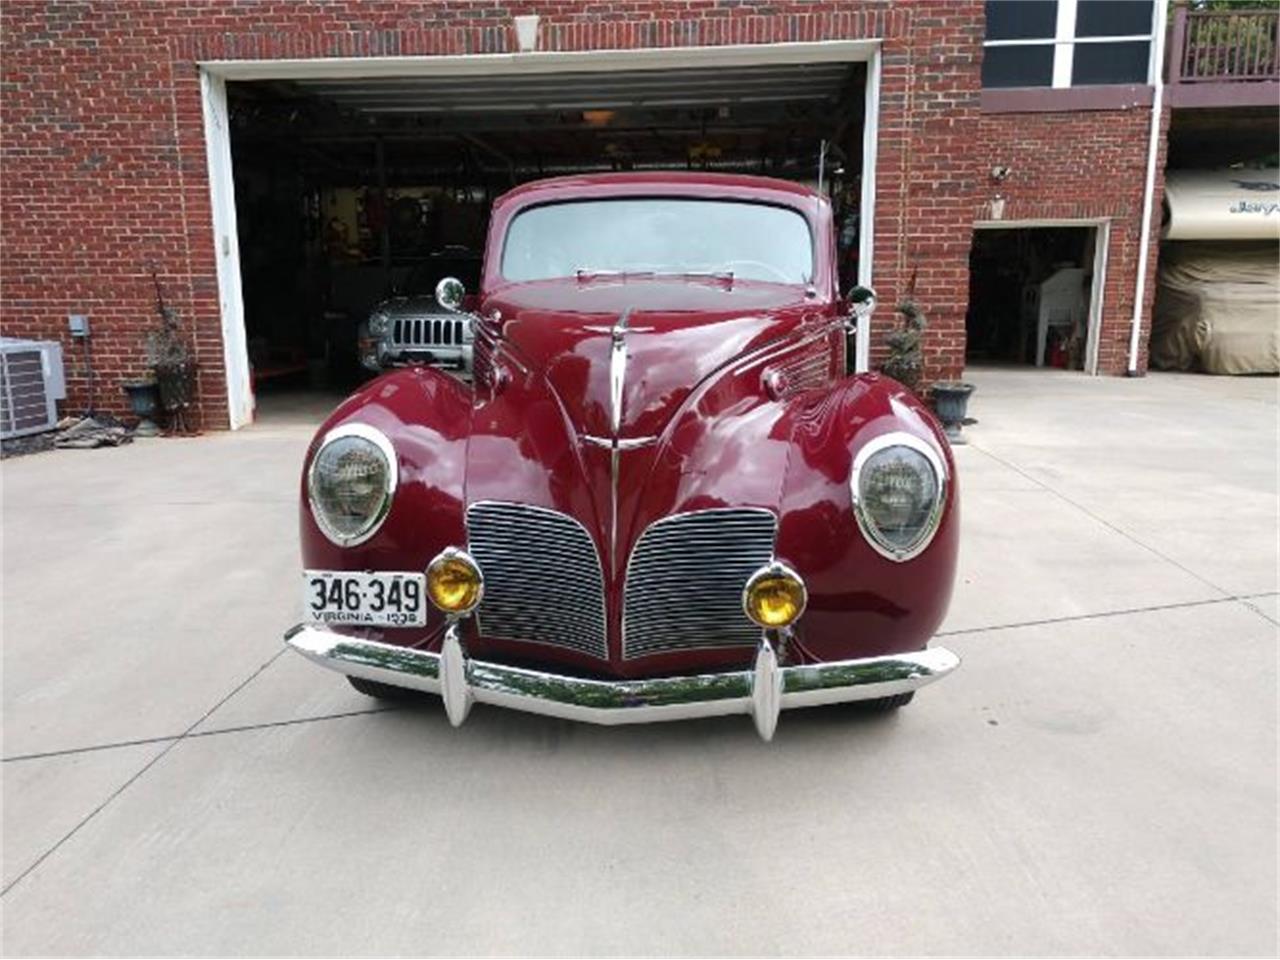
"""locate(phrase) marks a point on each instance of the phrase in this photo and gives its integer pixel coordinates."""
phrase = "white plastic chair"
(1061, 304)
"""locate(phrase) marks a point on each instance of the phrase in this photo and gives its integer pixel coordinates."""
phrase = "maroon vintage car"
(662, 496)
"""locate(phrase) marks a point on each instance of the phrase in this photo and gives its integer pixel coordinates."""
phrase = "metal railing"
(1224, 46)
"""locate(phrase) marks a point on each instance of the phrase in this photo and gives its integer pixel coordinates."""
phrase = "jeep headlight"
(351, 482)
(899, 488)
(379, 325)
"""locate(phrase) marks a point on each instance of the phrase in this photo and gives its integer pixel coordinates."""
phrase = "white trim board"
(215, 73)
(867, 227)
(1034, 222)
(549, 61)
(222, 196)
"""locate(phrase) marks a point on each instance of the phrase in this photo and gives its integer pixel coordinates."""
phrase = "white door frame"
(217, 139)
(215, 73)
(1097, 286)
(866, 229)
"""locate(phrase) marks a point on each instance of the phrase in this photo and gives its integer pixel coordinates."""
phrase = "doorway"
(1035, 295)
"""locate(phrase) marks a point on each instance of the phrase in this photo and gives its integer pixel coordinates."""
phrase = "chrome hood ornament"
(615, 443)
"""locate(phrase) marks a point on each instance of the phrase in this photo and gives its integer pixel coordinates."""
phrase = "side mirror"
(449, 294)
(862, 300)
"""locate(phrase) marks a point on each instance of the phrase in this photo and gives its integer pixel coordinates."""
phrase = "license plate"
(372, 599)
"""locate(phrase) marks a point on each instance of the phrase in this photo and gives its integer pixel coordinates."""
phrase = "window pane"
(1113, 18)
(1018, 66)
(1110, 63)
(1021, 19)
(658, 235)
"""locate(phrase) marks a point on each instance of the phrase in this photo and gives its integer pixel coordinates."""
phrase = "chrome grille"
(426, 332)
(806, 371)
(685, 579)
(542, 577)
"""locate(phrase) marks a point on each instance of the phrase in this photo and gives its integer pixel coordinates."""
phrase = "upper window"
(659, 236)
(1067, 43)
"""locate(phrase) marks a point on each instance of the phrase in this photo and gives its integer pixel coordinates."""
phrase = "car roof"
(723, 183)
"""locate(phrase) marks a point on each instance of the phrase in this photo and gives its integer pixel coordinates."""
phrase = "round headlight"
(774, 596)
(350, 484)
(454, 582)
(379, 325)
(899, 485)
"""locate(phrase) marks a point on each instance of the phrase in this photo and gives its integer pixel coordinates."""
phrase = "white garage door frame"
(214, 75)
(1098, 286)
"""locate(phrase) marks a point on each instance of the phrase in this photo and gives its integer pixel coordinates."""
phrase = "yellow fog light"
(454, 582)
(774, 596)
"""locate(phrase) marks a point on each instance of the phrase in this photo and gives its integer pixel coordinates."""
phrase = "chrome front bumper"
(762, 692)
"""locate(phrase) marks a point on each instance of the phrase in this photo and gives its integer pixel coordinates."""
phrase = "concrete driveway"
(1100, 776)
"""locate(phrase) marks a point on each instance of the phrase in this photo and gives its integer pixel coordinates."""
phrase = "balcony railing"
(1224, 57)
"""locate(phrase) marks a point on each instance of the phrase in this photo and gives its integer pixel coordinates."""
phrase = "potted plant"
(170, 360)
(144, 401)
(906, 365)
(906, 359)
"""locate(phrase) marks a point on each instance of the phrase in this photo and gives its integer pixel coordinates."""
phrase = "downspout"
(1148, 194)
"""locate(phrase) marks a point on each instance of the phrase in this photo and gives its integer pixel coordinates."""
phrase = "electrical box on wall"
(78, 324)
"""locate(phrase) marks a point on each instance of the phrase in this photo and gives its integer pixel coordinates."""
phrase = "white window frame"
(1064, 43)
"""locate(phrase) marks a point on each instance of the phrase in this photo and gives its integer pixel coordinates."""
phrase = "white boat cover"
(1217, 307)
(1222, 204)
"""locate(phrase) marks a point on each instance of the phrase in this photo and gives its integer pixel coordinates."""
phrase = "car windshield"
(659, 236)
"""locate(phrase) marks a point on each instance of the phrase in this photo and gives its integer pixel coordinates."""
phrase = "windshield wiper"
(590, 273)
(725, 275)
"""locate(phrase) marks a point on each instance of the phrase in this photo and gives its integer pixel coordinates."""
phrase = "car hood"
(399, 308)
(684, 380)
(632, 351)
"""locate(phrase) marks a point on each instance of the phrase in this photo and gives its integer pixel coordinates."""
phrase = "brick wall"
(102, 165)
(1081, 165)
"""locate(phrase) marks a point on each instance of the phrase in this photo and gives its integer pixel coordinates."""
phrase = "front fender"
(861, 603)
(426, 415)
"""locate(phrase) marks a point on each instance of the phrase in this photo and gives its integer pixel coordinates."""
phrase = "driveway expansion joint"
(1227, 595)
(1103, 614)
(196, 735)
(138, 775)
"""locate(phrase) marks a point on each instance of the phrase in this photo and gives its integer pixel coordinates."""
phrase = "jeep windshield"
(423, 278)
(650, 237)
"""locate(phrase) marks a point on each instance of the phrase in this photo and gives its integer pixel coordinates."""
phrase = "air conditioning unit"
(31, 384)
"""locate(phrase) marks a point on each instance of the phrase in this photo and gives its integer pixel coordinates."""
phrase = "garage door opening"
(350, 191)
(1033, 296)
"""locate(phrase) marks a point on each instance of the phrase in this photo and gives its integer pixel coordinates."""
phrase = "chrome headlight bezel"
(866, 524)
(377, 439)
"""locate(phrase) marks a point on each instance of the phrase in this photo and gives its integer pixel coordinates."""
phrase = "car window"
(662, 236)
